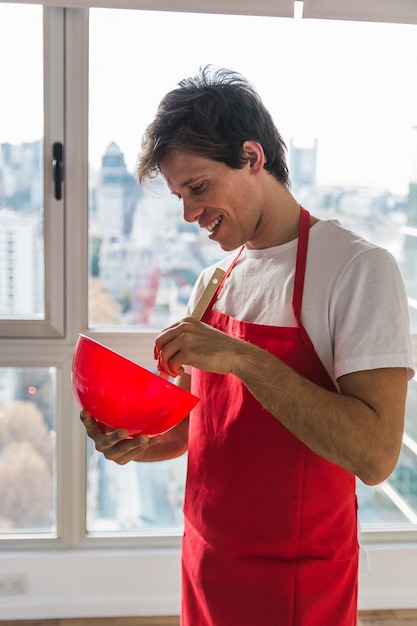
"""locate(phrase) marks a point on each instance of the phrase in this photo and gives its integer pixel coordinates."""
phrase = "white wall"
(69, 584)
(92, 584)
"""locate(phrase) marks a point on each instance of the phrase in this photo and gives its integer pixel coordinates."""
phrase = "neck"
(280, 219)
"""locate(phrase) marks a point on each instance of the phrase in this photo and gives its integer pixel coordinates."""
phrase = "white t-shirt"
(354, 303)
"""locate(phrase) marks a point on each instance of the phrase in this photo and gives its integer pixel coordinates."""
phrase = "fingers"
(95, 430)
(125, 450)
(117, 445)
(166, 362)
(171, 345)
(102, 436)
(196, 344)
(167, 365)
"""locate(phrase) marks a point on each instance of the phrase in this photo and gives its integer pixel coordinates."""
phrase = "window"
(341, 136)
(128, 261)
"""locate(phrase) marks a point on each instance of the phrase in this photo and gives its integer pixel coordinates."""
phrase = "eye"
(196, 189)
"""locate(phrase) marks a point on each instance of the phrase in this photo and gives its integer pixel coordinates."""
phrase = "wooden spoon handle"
(208, 293)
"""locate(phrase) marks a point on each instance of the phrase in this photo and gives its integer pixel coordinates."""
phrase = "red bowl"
(121, 394)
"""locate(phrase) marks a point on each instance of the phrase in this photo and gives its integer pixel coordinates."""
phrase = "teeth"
(214, 223)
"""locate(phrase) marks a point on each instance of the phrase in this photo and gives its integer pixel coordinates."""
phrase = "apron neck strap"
(300, 267)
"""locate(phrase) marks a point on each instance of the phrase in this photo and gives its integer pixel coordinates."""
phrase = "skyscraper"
(303, 160)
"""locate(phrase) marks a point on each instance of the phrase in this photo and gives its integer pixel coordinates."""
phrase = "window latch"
(57, 169)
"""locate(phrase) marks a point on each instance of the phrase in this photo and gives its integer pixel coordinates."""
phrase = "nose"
(191, 210)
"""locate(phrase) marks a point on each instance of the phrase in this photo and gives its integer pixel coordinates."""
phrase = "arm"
(118, 448)
(359, 429)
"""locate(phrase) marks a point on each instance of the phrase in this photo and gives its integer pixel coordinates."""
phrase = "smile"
(210, 227)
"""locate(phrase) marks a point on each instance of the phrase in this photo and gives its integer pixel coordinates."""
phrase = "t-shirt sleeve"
(370, 316)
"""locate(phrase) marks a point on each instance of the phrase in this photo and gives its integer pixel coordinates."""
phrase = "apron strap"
(300, 266)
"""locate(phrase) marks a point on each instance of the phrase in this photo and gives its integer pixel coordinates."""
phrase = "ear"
(255, 155)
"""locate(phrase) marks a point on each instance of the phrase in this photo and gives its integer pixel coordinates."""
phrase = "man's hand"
(117, 446)
(190, 342)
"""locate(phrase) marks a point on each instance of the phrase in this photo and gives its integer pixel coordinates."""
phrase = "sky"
(353, 86)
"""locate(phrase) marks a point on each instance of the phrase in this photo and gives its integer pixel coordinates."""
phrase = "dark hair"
(212, 115)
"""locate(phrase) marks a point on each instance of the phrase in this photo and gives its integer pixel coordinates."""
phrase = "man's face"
(224, 201)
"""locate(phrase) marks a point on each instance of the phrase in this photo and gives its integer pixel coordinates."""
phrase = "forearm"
(345, 429)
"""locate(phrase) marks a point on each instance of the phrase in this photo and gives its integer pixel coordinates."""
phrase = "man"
(300, 363)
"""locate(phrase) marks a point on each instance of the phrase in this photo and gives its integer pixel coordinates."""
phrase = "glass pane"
(352, 153)
(21, 162)
(142, 497)
(144, 258)
(395, 501)
(27, 450)
(351, 143)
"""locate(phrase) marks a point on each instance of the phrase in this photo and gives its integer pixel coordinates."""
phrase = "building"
(303, 163)
(21, 263)
(116, 195)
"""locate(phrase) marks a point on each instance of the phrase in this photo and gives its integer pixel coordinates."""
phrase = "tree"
(26, 468)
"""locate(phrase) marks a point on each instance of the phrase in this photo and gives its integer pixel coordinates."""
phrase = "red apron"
(270, 536)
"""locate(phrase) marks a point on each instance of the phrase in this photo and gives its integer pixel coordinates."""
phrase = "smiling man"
(300, 363)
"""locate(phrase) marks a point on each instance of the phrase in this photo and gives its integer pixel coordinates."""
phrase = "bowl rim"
(102, 345)
(130, 361)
